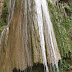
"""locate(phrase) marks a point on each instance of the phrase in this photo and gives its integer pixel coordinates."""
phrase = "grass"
(63, 30)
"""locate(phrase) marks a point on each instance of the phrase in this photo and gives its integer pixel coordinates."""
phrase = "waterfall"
(42, 9)
(40, 24)
(30, 39)
(46, 14)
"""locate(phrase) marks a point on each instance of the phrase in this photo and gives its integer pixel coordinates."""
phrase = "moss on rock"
(62, 28)
(4, 16)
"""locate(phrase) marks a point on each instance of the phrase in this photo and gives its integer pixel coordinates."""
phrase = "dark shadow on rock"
(36, 68)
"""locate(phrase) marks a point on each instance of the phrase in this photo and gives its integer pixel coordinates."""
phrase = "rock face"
(30, 36)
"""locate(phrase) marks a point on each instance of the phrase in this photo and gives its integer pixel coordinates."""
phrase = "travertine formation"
(30, 37)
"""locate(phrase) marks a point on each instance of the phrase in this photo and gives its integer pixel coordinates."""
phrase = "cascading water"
(47, 17)
(40, 24)
(30, 37)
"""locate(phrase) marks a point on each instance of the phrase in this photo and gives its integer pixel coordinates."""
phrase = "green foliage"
(68, 8)
(6, 1)
(17, 3)
(62, 28)
(1, 28)
(4, 16)
(0, 32)
(65, 65)
(66, 23)
(2, 22)
(4, 47)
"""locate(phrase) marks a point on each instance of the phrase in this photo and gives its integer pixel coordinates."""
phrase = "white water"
(7, 33)
(48, 20)
(40, 24)
(42, 9)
